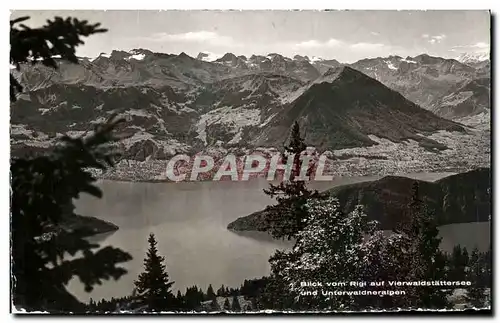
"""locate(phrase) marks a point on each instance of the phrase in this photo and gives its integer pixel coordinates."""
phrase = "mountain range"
(180, 104)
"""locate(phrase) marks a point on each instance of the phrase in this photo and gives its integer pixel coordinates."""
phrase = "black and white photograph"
(250, 161)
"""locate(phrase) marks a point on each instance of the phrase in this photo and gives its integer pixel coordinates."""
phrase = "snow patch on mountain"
(139, 136)
(137, 57)
(406, 60)
(454, 99)
(53, 108)
(207, 56)
(20, 129)
(173, 146)
(314, 59)
(102, 55)
(185, 109)
(479, 121)
(137, 113)
(76, 133)
(473, 57)
(248, 86)
(99, 120)
(237, 137)
(390, 65)
(267, 120)
(170, 146)
(290, 97)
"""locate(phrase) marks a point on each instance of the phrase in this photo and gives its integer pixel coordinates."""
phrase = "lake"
(189, 220)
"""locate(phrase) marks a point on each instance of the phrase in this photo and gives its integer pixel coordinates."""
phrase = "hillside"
(458, 198)
(471, 99)
(343, 107)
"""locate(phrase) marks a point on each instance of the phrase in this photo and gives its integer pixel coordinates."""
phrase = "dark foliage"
(287, 217)
(193, 298)
(235, 306)
(227, 306)
(153, 285)
(42, 192)
(457, 198)
(43, 189)
(423, 259)
(59, 37)
(210, 292)
(476, 293)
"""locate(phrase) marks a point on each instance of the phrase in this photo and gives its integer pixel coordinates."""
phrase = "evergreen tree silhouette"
(179, 301)
(214, 305)
(59, 37)
(458, 263)
(153, 285)
(227, 306)
(287, 217)
(235, 307)
(43, 189)
(221, 291)
(423, 259)
(476, 293)
(210, 292)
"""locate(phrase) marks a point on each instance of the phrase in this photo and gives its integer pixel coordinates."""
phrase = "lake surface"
(189, 221)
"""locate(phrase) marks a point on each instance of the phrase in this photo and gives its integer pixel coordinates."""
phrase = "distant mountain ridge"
(474, 58)
(345, 107)
(472, 98)
(423, 79)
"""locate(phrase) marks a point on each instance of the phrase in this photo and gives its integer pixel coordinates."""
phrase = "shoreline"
(367, 194)
(400, 172)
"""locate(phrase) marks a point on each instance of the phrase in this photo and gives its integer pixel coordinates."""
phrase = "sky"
(343, 35)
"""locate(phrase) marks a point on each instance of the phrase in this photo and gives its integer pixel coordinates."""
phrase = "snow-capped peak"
(408, 60)
(390, 65)
(136, 54)
(207, 56)
(315, 59)
(473, 57)
(102, 55)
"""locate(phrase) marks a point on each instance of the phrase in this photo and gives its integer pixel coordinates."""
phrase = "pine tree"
(179, 301)
(424, 260)
(288, 217)
(221, 291)
(59, 37)
(476, 293)
(255, 304)
(39, 244)
(332, 247)
(227, 306)
(214, 305)
(193, 297)
(458, 263)
(210, 292)
(235, 307)
(153, 285)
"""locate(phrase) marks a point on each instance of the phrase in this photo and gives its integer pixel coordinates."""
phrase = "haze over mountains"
(179, 104)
